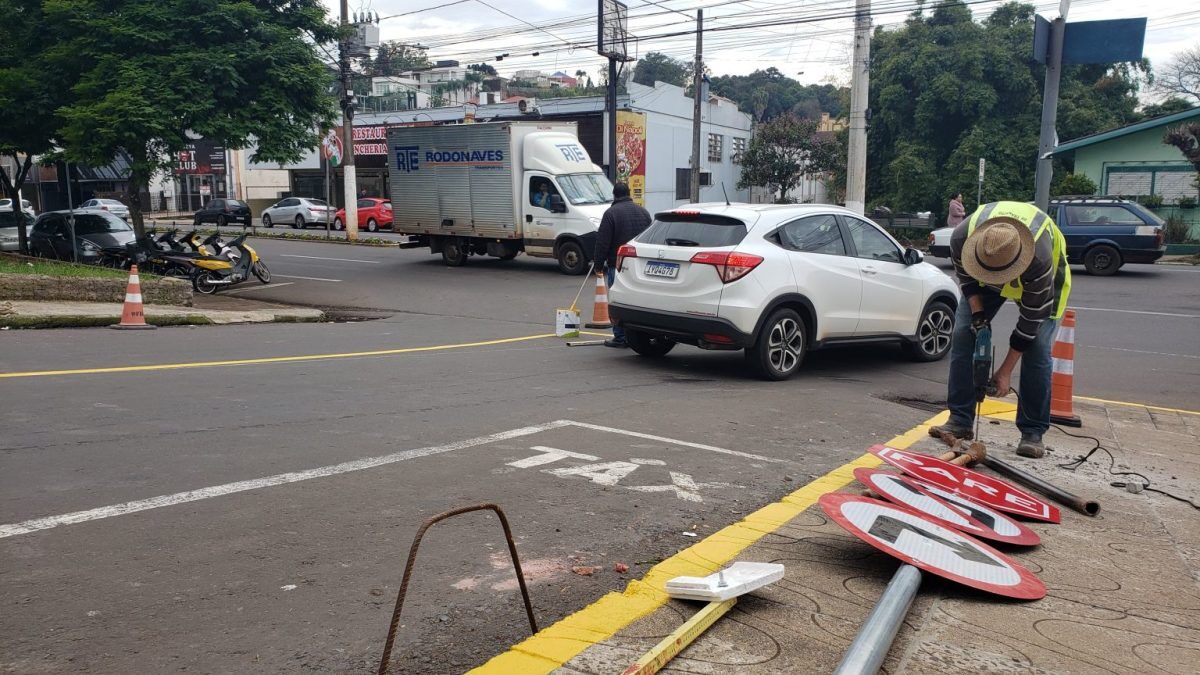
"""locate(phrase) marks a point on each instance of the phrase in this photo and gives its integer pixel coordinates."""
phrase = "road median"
(43, 314)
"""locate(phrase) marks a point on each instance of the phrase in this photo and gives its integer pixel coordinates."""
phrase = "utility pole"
(610, 104)
(856, 160)
(697, 110)
(350, 180)
(1048, 138)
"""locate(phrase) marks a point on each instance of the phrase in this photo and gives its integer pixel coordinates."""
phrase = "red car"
(373, 213)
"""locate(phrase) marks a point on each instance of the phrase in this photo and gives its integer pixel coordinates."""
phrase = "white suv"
(777, 281)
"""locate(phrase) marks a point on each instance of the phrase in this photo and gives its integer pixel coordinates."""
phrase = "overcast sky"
(479, 30)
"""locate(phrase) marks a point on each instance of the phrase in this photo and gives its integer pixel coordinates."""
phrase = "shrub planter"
(38, 287)
(1183, 249)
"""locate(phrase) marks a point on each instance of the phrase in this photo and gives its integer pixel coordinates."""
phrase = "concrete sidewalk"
(1123, 593)
(208, 310)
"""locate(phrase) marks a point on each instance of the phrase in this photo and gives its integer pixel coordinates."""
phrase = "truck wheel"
(571, 259)
(1102, 260)
(454, 252)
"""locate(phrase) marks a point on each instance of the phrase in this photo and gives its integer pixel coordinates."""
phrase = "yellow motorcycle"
(233, 266)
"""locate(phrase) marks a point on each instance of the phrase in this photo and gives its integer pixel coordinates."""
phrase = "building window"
(739, 149)
(1169, 181)
(716, 147)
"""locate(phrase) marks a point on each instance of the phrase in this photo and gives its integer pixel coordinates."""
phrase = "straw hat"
(998, 251)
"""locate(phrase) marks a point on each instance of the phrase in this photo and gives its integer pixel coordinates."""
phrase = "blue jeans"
(610, 275)
(1033, 398)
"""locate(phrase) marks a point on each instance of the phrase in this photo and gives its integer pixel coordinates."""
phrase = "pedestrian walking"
(623, 221)
(1008, 251)
(957, 212)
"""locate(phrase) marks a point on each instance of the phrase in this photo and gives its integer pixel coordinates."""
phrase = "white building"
(445, 83)
(724, 133)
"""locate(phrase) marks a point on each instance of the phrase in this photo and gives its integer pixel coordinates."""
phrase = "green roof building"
(1133, 161)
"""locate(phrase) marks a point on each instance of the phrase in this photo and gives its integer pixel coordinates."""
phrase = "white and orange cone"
(1062, 381)
(132, 315)
(600, 318)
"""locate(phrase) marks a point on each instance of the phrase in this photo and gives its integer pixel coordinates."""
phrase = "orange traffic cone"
(600, 308)
(132, 317)
(1062, 381)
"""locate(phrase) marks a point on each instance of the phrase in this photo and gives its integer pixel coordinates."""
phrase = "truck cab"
(564, 197)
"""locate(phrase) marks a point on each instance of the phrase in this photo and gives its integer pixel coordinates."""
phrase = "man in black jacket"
(623, 221)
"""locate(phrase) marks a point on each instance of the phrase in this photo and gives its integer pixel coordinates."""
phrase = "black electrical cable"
(1112, 463)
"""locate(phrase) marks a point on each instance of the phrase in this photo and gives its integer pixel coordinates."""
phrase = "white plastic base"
(740, 578)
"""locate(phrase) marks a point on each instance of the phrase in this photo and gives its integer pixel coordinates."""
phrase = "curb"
(8, 322)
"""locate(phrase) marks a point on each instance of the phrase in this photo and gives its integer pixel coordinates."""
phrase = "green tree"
(947, 90)
(658, 67)
(1074, 184)
(484, 68)
(393, 58)
(783, 151)
(1167, 106)
(769, 93)
(28, 97)
(148, 72)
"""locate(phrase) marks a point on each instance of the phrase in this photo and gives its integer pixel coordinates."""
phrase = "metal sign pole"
(70, 216)
(870, 647)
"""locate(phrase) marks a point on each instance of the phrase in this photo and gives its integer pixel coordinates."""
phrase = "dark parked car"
(95, 230)
(223, 212)
(1104, 233)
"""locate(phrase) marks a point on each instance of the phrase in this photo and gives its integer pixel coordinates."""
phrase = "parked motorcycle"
(214, 272)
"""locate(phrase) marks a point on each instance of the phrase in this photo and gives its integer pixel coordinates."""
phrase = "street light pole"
(856, 161)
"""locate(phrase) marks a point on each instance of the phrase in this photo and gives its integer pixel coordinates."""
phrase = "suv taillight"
(931, 240)
(626, 251)
(730, 266)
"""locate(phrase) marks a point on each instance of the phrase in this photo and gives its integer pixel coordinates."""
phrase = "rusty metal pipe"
(385, 659)
(1084, 506)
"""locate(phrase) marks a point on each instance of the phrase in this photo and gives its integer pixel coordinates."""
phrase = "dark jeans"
(1033, 399)
(610, 275)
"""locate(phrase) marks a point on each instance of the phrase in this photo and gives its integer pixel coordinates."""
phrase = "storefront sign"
(201, 156)
(631, 153)
(370, 140)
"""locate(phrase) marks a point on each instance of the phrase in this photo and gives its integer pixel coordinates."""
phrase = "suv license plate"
(662, 269)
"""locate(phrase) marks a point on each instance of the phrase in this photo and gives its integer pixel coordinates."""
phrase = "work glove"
(979, 321)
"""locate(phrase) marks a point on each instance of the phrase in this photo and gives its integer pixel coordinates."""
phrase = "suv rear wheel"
(645, 344)
(934, 331)
(1102, 260)
(780, 347)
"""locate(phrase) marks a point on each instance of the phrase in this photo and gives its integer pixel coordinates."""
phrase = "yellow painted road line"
(1139, 405)
(270, 359)
(557, 644)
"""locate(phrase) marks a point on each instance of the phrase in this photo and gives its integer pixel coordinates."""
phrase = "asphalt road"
(1143, 321)
(256, 516)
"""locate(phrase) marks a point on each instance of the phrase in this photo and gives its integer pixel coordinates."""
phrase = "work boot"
(1031, 446)
(961, 433)
(615, 343)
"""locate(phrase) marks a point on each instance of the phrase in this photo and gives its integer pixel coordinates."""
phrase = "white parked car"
(939, 242)
(777, 281)
(26, 206)
(298, 212)
(113, 206)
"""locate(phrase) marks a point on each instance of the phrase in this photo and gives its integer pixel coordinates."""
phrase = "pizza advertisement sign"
(912, 538)
(973, 485)
(945, 508)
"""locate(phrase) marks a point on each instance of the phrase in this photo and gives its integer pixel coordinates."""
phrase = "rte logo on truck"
(572, 152)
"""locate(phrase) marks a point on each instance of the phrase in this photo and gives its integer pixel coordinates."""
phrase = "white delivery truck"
(498, 189)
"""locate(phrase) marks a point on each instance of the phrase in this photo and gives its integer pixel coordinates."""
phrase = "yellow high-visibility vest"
(1041, 224)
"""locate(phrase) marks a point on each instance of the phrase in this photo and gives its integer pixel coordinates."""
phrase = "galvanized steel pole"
(870, 647)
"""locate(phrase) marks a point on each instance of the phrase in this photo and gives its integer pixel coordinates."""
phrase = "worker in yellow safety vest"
(1013, 251)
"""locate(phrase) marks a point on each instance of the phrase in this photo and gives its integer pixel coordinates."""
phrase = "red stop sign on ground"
(909, 536)
(982, 488)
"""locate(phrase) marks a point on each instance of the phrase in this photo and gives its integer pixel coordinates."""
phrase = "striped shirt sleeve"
(1037, 299)
(966, 283)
